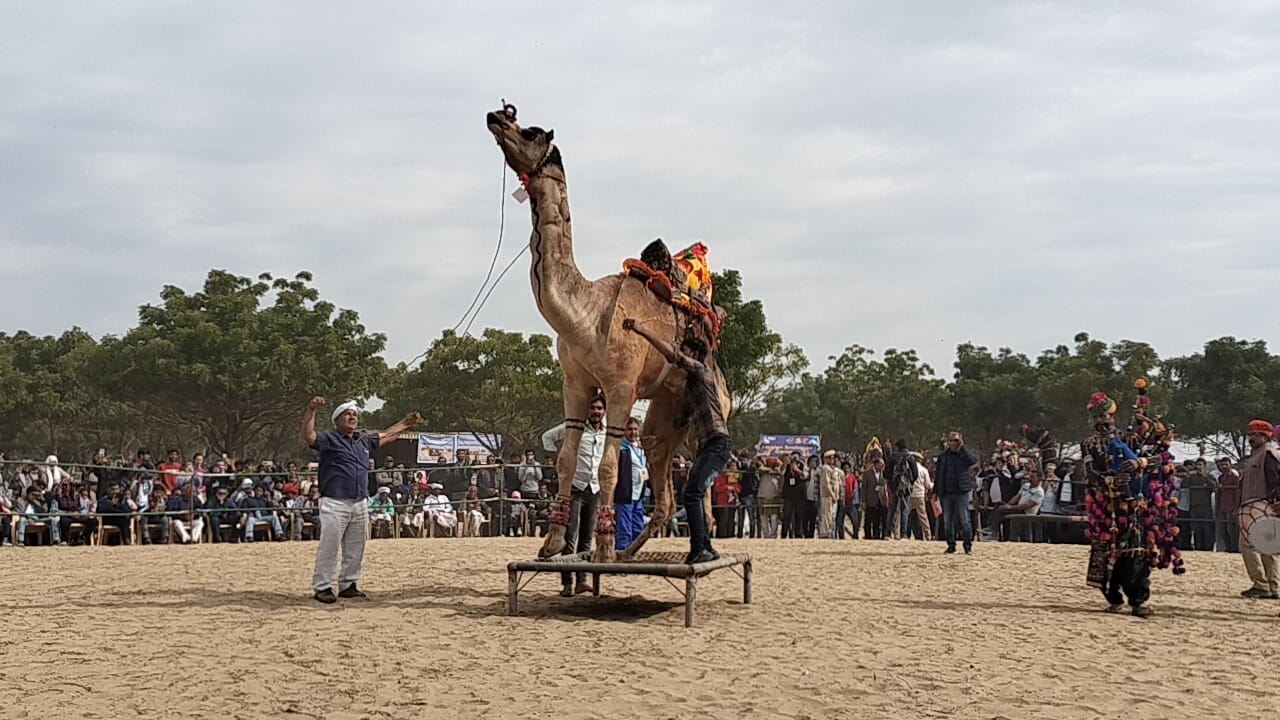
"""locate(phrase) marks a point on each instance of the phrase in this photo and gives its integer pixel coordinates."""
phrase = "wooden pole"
(746, 583)
(690, 597)
(513, 588)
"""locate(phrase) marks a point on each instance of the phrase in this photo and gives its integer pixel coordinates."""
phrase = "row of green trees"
(229, 368)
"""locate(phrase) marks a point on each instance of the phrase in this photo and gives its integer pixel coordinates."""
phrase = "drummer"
(1260, 480)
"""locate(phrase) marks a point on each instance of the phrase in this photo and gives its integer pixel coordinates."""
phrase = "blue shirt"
(344, 463)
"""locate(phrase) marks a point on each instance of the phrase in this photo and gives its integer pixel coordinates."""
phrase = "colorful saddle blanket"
(683, 280)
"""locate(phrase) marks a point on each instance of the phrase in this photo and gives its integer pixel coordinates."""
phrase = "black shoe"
(968, 549)
(1141, 611)
(701, 556)
(567, 591)
(326, 596)
(950, 551)
(352, 591)
(1256, 594)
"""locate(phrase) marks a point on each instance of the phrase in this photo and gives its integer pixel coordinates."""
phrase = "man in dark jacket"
(954, 485)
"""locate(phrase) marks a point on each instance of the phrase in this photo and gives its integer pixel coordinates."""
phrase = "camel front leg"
(576, 402)
(617, 414)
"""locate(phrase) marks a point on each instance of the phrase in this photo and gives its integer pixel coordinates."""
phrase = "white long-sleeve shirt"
(586, 474)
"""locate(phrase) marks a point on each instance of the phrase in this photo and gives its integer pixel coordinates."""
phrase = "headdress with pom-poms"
(1099, 404)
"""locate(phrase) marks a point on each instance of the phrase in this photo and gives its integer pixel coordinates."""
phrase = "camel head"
(527, 150)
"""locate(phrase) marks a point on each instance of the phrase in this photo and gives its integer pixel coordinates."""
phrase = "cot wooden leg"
(595, 584)
(690, 598)
(513, 588)
(746, 583)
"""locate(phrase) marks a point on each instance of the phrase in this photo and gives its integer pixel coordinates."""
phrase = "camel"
(593, 348)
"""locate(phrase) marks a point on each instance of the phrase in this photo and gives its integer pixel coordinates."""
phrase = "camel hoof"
(604, 552)
(554, 544)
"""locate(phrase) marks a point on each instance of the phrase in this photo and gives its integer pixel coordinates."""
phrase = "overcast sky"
(888, 174)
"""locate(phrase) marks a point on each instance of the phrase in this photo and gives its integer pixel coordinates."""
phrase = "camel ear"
(551, 135)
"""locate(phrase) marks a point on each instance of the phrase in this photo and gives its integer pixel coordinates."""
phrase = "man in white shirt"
(584, 503)
(1026, 502)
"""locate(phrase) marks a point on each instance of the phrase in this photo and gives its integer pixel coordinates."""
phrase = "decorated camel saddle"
(683, 280)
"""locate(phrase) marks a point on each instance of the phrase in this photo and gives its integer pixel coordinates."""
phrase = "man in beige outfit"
(832, 481)
(1260, 480)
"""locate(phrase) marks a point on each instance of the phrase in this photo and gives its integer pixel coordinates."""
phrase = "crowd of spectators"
(831, 495)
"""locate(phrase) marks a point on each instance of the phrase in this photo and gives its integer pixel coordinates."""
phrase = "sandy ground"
(854, 629)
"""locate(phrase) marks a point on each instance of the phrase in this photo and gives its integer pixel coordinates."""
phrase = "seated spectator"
(258, 511)
(6, 516)
(529, 473)
(413, 519)
(382, 513)
(153, 516)
(1026, 502)
(66, 501)
(114, 509)
(188, 523)
(473, 510)
(36, 510)
(515, 516)
(542, 509)
(219, 511)
(309, 512)
(440, 512)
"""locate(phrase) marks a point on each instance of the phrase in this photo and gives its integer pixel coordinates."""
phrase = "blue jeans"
(896, 522)
(955, 508)
(712, 457)
(250, 522)
(846, 511)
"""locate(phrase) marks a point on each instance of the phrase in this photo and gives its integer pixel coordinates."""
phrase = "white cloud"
(892, 175)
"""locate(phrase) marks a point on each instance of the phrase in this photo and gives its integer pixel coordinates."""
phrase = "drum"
(1260, 523)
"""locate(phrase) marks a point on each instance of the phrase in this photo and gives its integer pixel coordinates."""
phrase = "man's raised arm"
(664, 347)
(309, 421)
(395, 431)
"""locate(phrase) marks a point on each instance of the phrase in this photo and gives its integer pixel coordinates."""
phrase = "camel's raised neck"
(559, 287)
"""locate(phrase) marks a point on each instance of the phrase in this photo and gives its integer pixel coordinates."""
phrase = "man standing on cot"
(703, 409)
(344, 487)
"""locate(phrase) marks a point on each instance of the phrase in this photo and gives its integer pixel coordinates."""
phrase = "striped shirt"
(702, 397)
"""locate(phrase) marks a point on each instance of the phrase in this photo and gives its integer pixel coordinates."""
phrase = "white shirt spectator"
(923, 484)
(1031, 494)
(586, 473)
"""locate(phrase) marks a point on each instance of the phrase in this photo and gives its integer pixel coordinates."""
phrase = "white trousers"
(345, 524)
(189, 533)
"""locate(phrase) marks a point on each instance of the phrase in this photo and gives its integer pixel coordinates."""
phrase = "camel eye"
(528, 134)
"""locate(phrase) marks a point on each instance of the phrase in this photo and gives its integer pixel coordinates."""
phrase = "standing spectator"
(170, 469)
(51, 474)
(633, 475)
(1260, 480)
(903, 472)
(748, 520)
(795, 480)
(1228, 505)
(530, 475)
(1200, 487)
(812, 491)
(36, 510)
(584, 504)
(769, 500)
(831, 481)
(6, 515)
(954, 485)
(849, 505)
(722, 501)
(114, 510)
(187, 522)
(918, 504)
(874, 484)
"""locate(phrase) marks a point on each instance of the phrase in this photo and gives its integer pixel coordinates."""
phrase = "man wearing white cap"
(343, 479)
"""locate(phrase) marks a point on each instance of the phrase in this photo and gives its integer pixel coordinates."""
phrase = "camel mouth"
(495, 122)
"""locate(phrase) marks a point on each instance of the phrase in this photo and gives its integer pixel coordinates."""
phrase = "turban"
(1261, 427)
(1100, 404)
(348, 405)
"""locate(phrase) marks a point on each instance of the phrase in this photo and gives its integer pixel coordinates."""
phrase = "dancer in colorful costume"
(1131, 503)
